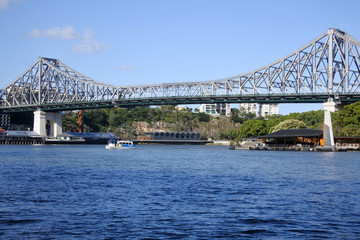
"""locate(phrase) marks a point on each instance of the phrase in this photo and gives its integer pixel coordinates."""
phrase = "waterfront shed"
(173, 136)
(294, 136)
(92, 137)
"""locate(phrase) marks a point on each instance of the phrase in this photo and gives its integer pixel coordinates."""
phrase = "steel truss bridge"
(327, 67)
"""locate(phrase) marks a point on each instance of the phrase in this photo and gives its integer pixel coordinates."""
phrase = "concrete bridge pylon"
(328, 132)
(47, 124)
(332, 106)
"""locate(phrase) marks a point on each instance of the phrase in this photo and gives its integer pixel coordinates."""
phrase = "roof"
(172, 132)
(65, 134)
(289, 133)
(91, 135)
(22, 134)
(347, 137)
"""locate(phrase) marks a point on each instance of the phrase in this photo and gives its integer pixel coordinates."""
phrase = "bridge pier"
(328, 132)
(332, 106)
(39, 122)
(47, 124)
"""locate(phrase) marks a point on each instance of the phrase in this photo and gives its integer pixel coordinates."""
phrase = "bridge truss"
(327, 67)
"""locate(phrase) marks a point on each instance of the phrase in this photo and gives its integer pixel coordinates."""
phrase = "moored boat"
(120, 144)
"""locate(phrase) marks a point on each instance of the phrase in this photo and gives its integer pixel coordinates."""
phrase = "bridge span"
(326, 68)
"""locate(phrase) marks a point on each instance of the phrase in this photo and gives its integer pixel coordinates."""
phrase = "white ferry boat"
(120, 144)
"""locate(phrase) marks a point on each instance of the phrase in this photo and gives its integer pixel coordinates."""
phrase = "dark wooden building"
(294, 137)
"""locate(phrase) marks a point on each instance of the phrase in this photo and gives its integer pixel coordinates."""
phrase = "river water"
(177, 192)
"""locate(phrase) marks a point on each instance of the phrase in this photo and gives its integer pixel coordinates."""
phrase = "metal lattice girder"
(329, 65)
(5, 121)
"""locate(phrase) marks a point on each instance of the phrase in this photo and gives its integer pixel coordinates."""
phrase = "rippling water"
(177, 192)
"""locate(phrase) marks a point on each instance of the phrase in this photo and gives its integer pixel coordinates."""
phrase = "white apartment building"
(223, 109)
(216, 109)
(249, 108)
(262, 110)
(208, 109)
(269, 109)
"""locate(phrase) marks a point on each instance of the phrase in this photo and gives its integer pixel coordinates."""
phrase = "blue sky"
(134, 42)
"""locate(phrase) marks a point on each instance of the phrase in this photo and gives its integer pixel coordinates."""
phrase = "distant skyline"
(139, 42)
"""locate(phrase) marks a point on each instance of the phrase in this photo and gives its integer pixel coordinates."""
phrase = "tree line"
(239, 125)
(120, 120)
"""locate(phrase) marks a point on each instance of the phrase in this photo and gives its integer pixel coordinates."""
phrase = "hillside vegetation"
(128, 123)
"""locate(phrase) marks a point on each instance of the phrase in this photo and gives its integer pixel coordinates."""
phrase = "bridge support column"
(53, 120)
(332, 106)
(328, 132)
(47, 124)
(39, 122)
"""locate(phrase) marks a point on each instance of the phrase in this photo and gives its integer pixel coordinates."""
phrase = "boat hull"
(120, 145)
(117, 147)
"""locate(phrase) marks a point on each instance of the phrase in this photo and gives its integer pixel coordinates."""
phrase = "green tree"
(272, 121)
(289, 124)
(350, 114)
(118, 117)
(168, 108)
(347, 121)
(312, 119)
(349, 130)
(96, 120)
(139, 113)
(231, 134)
(252, 128)
(70, 122)
(242, 116)
(236, 118)
(203, 117)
